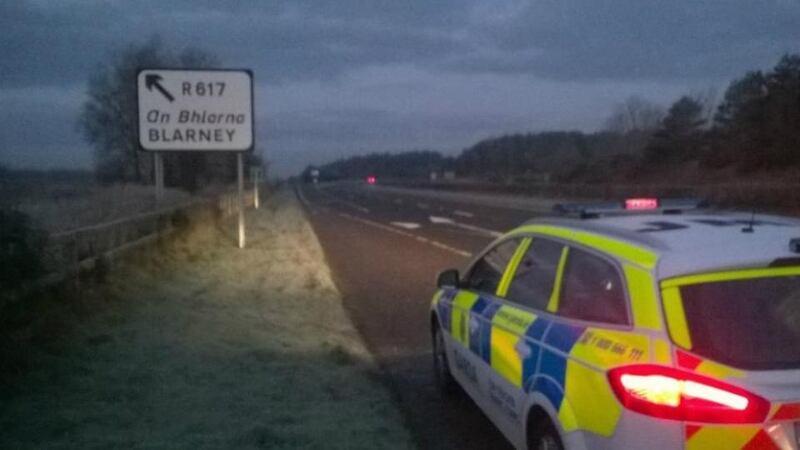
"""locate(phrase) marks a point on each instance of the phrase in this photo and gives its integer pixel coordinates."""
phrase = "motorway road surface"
(385, 247)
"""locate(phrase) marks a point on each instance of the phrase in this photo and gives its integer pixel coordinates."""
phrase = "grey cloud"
(637, 40)
(56, 45)
(441, 14)
(465, 68)
(291, 41)
(61, 43)
(305, 42)
(369, 125)
(39, 130)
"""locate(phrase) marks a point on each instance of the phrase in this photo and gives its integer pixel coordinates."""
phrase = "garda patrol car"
(668, 328)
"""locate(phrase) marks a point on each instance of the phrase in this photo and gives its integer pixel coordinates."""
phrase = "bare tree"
(108, 118)
(635, 114)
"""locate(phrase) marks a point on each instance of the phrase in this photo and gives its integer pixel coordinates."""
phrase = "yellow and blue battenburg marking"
(480, 337)
(444, 306)
(509, 347)
(461, 319)
(537, 354)
(535, 332)
(553, 367)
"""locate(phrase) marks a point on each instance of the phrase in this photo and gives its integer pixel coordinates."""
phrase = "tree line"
(410, 164)
(753, 129)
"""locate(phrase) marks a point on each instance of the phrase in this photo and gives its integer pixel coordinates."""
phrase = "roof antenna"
(749, 228)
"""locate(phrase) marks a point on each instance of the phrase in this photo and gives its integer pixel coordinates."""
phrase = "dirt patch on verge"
(207, 346)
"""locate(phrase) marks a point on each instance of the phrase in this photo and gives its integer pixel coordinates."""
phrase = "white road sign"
(209, 110)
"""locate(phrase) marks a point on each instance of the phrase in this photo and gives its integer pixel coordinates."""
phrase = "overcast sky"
(342, 77)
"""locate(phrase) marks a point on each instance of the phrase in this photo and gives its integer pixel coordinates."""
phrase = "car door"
(518, 326)
(591, 334)
(469, 329)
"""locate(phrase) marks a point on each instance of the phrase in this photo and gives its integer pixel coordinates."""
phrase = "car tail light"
(641, 203)
(675, 394)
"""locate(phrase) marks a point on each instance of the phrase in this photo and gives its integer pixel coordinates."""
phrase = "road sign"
(196, 110)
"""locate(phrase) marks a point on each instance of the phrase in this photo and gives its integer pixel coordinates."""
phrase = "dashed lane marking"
(464, 226)
(418, 238)
(406, 225)
(344, 202)
(437, 219)
(476, 229)
(463, 213)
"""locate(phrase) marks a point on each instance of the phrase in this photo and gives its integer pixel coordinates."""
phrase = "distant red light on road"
(371, 179)
(641, 203)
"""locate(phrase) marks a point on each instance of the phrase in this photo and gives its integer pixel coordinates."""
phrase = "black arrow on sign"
(153, 80)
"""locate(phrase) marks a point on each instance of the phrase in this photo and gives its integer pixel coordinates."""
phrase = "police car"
(662, 326)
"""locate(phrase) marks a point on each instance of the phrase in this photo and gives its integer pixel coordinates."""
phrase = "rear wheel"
(441, 368)
(544, 436)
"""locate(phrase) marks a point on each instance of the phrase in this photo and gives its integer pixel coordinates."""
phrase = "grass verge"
(203, 345)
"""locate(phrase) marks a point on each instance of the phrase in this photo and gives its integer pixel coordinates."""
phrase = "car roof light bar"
(629, 205)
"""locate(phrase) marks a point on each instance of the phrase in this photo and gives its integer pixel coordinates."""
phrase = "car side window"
(592, 290)
(486, 273)
(535, 276)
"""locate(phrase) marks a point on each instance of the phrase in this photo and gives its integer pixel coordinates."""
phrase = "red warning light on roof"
(371, 179)
(641, 203)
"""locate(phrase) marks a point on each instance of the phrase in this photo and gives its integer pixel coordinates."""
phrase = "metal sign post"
(255, 175)
(196, 110)
(158, 176)
(240, 181)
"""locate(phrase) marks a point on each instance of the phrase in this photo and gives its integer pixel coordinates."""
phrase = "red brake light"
(371, 179)
(675, 394)
(641, 203)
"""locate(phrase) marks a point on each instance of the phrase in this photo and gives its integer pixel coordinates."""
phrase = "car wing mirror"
(448, 278)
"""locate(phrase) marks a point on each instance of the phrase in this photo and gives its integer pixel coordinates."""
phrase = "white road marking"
(422, 239)
(436, 219)
(463, 213)
(406, 225)
(354, 206)
(345, 202)
(533, 204)
(465, 226)
(485, 231)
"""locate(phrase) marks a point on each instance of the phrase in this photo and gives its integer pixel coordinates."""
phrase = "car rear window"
(592, 290)
(751, 324)
(533, 281)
